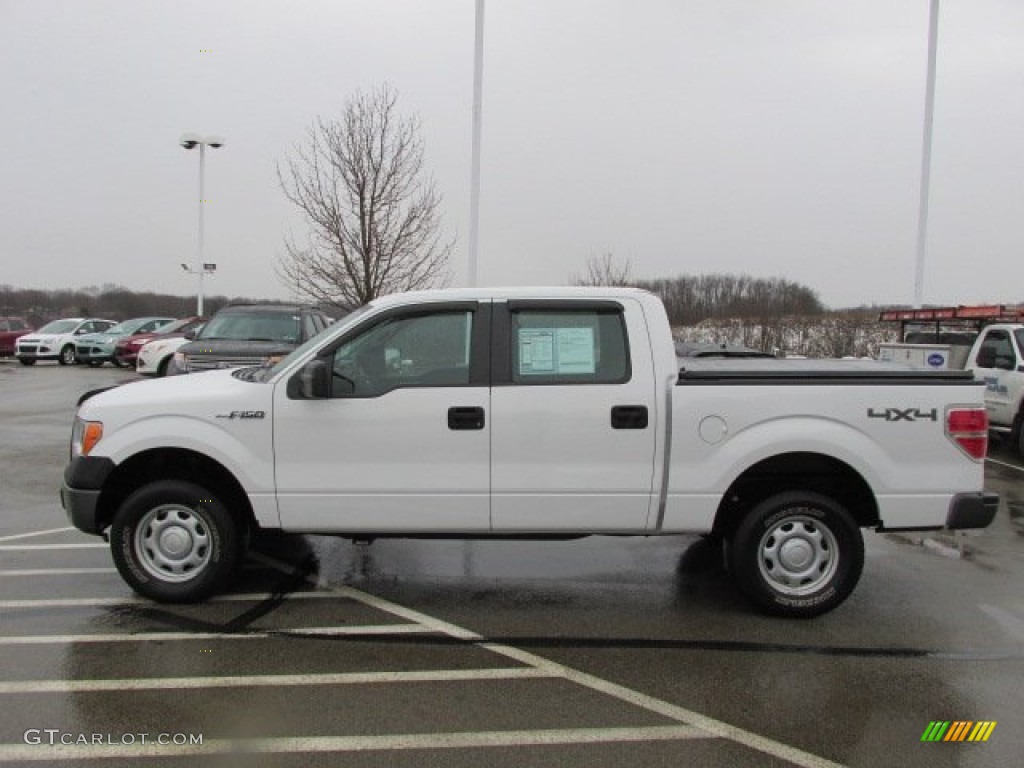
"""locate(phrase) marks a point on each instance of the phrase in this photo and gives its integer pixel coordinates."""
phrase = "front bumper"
(94, 353)
(971, 510)
(35, 352)
(80, 492)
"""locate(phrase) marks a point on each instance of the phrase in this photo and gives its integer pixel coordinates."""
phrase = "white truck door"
(403, 441)
(573, 416)
(996, 364)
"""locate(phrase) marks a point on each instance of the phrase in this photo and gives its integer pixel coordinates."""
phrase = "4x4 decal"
(904, 414)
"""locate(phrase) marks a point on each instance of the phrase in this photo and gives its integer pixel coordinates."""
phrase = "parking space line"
(674, 712)
(276, 681)
(101, 602)
(262, 634)
(1006, 464)
(17, 536)
(37, 547)
(650, 703)
(321, 744)
(57, 571)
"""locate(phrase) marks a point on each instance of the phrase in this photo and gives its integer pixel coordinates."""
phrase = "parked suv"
(249, 334)
(97, 348)
(11, 328)
(56, 340)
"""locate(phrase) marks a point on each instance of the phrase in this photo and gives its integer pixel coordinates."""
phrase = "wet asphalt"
(597, 652)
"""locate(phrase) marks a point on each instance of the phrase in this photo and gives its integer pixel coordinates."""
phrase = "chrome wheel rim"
(68, 355)
(173, 543)
(798, 555)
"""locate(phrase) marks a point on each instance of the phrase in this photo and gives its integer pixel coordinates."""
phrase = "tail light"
(968, 428)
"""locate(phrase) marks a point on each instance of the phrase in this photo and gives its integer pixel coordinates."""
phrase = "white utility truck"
(533, 413)
(987, 340)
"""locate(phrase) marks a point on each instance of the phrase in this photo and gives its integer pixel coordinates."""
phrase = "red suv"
(10, 329)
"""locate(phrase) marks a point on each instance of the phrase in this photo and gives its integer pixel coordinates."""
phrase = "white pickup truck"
(993, 352)
(528, 414)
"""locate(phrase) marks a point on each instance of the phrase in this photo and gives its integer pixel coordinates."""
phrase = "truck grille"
(206, 363)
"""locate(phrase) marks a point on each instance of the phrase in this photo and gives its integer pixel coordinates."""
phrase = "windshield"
(253, 326)
(59, 326)
(345, 322)
(128, 327)
(178, 326)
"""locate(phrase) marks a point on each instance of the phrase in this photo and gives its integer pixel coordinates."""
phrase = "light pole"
(191, 141)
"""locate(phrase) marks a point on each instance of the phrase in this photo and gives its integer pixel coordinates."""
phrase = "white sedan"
(155, 356)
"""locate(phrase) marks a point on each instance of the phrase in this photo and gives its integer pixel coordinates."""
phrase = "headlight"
(84, 436)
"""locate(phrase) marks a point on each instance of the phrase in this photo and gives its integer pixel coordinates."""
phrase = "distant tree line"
(689, 299)
(109, 301)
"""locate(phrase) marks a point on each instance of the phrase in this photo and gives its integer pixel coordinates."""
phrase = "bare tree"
(373, 214)
(605, 270)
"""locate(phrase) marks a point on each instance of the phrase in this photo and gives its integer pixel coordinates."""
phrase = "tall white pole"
(199, 257)
(926, 154)
(474, 194)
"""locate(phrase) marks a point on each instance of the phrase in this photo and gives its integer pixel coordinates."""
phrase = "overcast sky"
(767, 137)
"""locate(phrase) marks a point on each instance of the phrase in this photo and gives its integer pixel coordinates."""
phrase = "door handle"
(629, 417)
(466, 417)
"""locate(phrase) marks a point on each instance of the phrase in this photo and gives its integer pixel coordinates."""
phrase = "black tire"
(161, 370)
(797, 554)
(27, 360)
(173, 541)
(67, 355)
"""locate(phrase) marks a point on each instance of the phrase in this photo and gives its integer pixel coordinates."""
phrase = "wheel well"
(173, 464)
(796, 471)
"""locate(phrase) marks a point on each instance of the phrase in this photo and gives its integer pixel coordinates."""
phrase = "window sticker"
(536, 351)
(564, 351)
(575, 350)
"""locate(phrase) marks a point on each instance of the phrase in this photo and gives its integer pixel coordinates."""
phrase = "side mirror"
(312, 382)
(190, 334)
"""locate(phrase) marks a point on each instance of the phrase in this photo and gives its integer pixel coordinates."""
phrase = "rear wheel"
(67, 355)
(173, 541)
(27, 360)
(797, 554)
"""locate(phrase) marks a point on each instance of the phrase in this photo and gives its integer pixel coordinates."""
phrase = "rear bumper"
(971, 510)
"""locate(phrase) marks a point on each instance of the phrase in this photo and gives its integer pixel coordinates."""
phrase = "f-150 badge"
(242, 415)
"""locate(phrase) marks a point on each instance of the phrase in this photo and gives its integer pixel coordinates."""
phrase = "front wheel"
(173, 541)
(27, 360)
(797, 554)
(67, 355)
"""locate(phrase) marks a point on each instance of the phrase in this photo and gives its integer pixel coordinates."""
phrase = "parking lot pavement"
(601, 652)
(262, 672)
